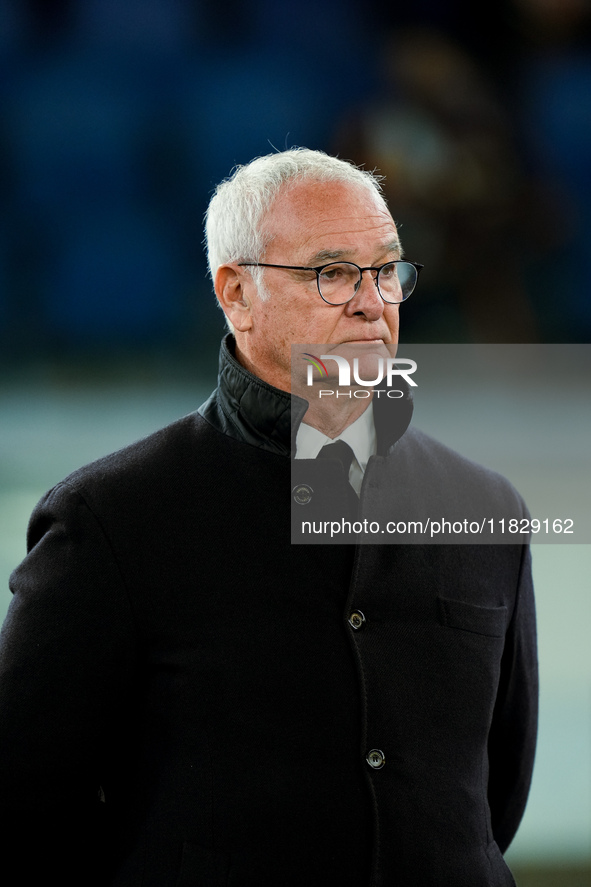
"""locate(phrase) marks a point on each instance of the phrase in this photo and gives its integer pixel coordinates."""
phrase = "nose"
(367, 300)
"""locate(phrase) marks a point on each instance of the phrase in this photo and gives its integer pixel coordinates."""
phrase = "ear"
(230, 284)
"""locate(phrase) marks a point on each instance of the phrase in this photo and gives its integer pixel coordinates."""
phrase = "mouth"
(364, 342)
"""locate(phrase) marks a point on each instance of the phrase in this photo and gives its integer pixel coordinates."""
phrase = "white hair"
(234, 230)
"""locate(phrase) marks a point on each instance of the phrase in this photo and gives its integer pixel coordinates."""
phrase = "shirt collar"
(360, 435)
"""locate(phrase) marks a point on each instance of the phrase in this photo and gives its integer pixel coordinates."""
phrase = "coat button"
(376, 759)
(356, 620)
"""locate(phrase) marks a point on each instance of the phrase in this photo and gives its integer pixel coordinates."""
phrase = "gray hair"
(234, 220)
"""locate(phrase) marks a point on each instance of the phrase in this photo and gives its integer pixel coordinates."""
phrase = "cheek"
(279, 326)
(392, 316)
(297, 324)
(271, 318)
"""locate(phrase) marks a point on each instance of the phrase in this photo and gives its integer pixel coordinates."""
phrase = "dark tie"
(343, 453)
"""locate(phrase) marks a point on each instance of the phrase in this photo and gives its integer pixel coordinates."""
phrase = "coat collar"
(250, 410)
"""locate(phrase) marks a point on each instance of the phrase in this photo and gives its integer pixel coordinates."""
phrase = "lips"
(364, 342)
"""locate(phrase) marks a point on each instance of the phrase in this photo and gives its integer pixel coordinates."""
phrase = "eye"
(388, 271)
(332, 273)
(339, 272)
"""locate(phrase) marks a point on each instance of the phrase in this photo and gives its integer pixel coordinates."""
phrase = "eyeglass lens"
(339, 282)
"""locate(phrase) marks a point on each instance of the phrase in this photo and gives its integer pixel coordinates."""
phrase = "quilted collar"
(248, 409)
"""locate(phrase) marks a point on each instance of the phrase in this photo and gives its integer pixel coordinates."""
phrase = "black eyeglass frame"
(320, 268)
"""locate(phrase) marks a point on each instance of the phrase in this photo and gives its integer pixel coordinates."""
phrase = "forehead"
(313, 218)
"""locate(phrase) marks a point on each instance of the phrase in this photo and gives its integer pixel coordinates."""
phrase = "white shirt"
(360, 435)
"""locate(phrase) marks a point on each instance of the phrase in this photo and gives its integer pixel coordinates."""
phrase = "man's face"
(314, 224)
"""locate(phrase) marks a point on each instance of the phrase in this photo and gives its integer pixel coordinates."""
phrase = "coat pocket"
(489, 621)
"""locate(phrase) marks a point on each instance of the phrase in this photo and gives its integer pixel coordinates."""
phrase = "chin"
(368, 361)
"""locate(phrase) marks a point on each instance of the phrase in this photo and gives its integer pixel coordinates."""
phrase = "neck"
(331, 415)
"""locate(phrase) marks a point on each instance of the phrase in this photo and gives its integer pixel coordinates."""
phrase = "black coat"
(168, 644)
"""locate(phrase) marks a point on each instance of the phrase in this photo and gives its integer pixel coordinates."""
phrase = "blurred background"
(117, 119)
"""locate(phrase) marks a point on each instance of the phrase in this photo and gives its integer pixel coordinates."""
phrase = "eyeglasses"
(338, 282)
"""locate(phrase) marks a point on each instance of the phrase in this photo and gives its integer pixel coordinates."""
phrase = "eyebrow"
(333, 255)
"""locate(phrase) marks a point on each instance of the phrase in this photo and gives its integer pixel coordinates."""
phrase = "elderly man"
(188, 698)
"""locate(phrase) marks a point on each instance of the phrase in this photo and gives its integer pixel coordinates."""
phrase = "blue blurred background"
(117, 121)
